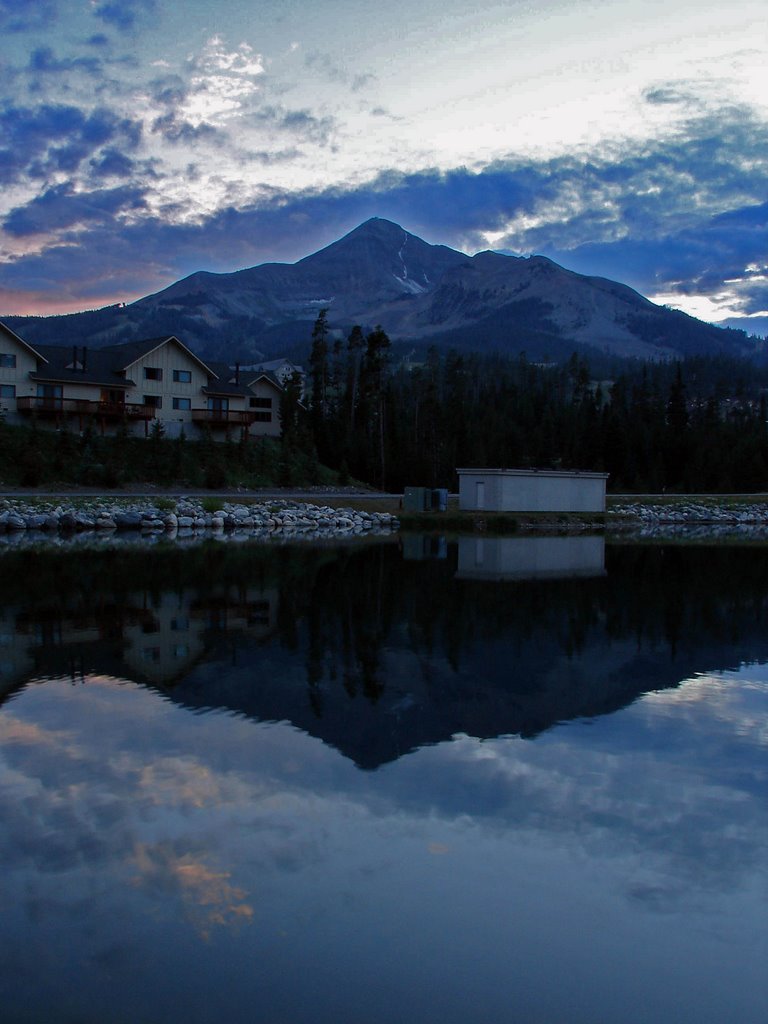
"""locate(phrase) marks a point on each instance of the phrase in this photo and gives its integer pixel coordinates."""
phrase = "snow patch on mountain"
(408, 283)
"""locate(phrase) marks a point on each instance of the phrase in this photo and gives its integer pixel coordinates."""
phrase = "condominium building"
(134, 384)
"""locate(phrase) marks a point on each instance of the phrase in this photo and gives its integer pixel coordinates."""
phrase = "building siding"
(167, 356)
(497, 490)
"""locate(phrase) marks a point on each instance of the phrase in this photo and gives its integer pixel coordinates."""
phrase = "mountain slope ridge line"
(487, 302)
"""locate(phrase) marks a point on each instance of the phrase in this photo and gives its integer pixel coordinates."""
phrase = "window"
(262, 417)
(182, 403)
(7, 390)
(261, 403)
(153, 373)
(7, 361)
(153, 401)
(182, 376)
(49, 396)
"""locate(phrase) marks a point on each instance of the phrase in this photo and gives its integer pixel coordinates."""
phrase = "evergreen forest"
(368, 413)
(697, 425)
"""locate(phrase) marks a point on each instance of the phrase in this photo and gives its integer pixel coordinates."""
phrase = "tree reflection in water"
(378, 654)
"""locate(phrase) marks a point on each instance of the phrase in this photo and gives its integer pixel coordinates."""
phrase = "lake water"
(407, 780)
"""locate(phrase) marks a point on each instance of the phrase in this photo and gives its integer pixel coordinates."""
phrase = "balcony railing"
(224, 417)
(83, 407)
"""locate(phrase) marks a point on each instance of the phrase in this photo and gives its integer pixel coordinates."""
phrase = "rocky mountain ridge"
(421, 294)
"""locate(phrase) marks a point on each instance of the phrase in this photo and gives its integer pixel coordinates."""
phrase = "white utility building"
(531, 490)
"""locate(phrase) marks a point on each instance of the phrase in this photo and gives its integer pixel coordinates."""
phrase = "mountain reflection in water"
(379, 654)
(188, 835)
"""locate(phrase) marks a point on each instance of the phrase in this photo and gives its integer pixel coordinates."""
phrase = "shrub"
(32, 467)
(215, 476)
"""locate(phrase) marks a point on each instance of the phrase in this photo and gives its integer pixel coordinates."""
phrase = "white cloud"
(221, 82)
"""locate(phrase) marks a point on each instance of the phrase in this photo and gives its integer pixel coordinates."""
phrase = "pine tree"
(319, 380)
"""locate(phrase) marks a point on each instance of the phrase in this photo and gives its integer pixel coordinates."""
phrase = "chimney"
(85, 358)
(237, 373)
(74, 357)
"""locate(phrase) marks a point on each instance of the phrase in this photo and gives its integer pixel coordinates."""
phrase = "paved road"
(313, 495)
(671, 496)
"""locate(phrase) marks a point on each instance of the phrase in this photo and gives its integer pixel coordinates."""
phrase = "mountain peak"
(380, 273)
(377, 224)
(379, 229)
(388, 232)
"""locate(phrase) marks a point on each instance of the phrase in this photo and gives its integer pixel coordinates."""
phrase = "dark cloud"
(177, 129)
(123, 14)
(99, 40)
(27, 15)
(301, 123)
(284, 226)
(649, 215)
(43, 61)
(268, 157)
(322, 64)
(61, 207)
(667, 95)
(169, 91)
(112, 163)
(34, 142)
(172, 93)
(757, 325)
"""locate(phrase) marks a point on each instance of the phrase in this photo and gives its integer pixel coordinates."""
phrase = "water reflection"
(162, 864)
(530, 558)
(377, 654)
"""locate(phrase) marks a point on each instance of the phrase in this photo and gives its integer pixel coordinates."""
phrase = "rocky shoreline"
(193, 518)
(690, 521)
(696, 513)
(185, 517)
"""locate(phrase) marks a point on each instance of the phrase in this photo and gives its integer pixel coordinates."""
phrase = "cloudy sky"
(141, 140)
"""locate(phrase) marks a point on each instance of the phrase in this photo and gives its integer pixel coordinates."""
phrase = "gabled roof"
(275, 364)
(270, 378)
(4, 328)
(225, 384)
(100, 367)
(131, 351)
(106, 365)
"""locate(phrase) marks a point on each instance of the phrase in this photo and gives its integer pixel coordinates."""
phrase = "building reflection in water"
(530, 558)
(380, 648)
(153, 637)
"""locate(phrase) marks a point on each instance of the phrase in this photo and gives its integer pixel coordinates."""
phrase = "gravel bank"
(691, 520)
(187, 517)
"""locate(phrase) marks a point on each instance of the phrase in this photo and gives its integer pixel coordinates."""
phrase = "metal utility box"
(425, 499)
(439, 499)
(417, 499)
